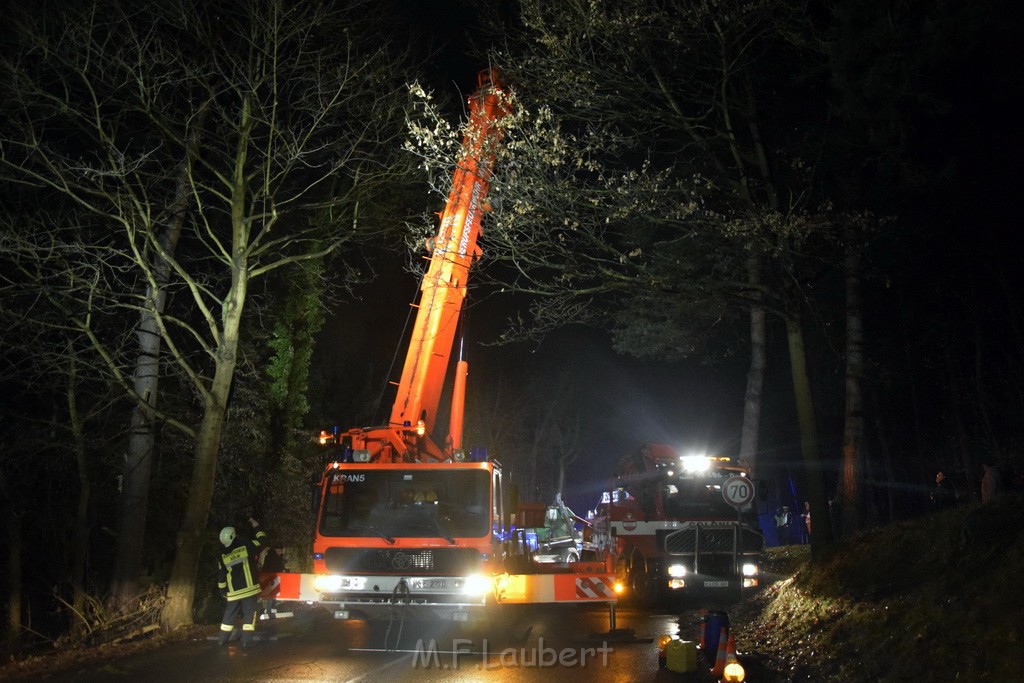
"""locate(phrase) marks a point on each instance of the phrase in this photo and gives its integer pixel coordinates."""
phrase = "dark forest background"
(889, 132)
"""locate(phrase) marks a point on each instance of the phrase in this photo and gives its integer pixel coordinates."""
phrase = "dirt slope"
(934, 599)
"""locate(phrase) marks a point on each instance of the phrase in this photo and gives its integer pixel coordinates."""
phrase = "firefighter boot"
(247, 637)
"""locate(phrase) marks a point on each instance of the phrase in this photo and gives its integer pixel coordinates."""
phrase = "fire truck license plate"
(716, 584)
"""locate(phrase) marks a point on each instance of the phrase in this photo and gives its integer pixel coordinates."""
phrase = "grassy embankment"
(934, 599)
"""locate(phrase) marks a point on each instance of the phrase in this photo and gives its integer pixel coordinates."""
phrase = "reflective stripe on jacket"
(237, 568)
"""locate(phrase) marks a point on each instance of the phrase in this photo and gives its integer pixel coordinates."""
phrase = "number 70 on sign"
(738, 491)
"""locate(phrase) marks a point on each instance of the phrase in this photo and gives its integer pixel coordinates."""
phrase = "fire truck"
(679, 524)
(405, 516)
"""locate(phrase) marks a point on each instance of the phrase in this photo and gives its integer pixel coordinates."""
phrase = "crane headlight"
(476, 585)
(327, 583)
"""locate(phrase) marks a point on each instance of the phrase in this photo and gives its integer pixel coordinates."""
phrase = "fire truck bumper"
(453, 598)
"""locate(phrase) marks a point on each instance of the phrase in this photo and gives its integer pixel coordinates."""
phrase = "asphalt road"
(555, 643)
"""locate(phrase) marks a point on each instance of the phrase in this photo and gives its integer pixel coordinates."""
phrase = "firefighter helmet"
(227, 536)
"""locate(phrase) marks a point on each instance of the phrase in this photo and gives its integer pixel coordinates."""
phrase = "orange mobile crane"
(405, 518)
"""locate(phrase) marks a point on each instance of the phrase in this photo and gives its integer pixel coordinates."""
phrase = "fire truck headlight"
(476, 585)
(750, 569)
(696, 463)
(327, 583)
(677, 571)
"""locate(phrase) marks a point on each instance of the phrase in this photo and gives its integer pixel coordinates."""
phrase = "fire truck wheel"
(640, 582)
(570, 556)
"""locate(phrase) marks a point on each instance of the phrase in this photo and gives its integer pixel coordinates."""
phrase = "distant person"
(806, 515)
(782, 523)
(943, 496)
(273, 561)
(238, 581)
(991, 481)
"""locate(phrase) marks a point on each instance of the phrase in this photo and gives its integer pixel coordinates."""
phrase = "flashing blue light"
(478, 455)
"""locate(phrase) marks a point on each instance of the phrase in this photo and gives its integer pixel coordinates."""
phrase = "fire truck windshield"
(695, 496)
(395, 503)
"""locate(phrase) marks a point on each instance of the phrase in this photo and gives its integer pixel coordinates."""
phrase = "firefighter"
(782, 523)
(238, 581)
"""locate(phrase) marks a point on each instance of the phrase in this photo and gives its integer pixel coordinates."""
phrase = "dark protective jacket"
(943, 495)
(238, 578)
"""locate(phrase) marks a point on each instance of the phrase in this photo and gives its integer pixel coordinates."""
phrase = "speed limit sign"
(738, 491)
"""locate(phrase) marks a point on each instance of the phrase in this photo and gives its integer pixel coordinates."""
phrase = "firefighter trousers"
(247, 608)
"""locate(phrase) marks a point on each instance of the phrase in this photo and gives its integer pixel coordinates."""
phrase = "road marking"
(379, 669)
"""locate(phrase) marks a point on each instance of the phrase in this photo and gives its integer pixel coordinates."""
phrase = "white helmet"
(227, 536)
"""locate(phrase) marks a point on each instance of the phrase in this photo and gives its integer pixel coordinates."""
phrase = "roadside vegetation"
(931, 599)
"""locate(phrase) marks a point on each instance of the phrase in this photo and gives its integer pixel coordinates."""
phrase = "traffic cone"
(730, 650)
(720, 657)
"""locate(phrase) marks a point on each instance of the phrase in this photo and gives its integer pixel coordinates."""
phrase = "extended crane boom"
(444, 285)
(410, 434)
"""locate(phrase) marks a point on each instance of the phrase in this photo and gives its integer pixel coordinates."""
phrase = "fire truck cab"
(670, 530)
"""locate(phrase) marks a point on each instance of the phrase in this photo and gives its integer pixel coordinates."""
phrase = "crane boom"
(452, 251)
(410, 435)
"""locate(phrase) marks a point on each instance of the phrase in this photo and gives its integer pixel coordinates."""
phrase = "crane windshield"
(407, 503)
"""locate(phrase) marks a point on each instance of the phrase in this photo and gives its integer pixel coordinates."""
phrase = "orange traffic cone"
(730, 650)
(733, 670)
(720, 658)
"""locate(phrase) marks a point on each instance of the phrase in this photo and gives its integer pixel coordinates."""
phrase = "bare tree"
(45, 288)
(638, 191)
(297, 113)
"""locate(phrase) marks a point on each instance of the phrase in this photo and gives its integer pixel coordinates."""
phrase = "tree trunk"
(853, 442)
(956, 423)
(182, 588)
(13, 579)
(80, 554)
(752, 400)
(821, 534)
(181, 591)
(979, 383)
(138, 464)
(890, 477)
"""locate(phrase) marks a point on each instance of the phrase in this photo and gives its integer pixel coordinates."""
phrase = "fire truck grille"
(439, 561)
(714, 540)
(711, 541)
